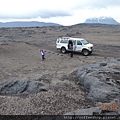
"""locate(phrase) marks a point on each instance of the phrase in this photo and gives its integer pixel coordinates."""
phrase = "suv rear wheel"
(85, 52)
(63, 50)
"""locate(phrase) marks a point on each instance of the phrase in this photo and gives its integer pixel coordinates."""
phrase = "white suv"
(79, 45)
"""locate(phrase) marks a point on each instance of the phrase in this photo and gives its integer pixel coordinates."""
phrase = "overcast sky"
(64, 12)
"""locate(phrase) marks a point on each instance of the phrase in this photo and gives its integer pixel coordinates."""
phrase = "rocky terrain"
(60, 84)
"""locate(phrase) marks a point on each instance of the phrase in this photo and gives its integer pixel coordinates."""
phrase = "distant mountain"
(27, 24)
(102, 20)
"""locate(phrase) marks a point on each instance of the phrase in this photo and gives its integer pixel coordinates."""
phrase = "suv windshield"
(64, 41)
(84, 42)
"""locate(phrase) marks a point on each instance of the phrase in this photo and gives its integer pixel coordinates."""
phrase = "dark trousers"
(71, 54)
(43, 57)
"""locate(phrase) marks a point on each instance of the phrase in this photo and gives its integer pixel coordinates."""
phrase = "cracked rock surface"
(21, 87)
(101, 80)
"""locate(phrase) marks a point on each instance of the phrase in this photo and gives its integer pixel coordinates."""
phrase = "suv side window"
(78, 42)
(74, 42)
(64, 41)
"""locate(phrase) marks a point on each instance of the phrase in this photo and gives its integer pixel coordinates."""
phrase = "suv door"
(74, 45)
(78, 46)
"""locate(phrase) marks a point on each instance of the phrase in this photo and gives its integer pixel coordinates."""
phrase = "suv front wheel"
(63, 50)
(85, 52)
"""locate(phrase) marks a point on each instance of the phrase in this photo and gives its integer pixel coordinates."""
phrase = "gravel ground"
(20, 58)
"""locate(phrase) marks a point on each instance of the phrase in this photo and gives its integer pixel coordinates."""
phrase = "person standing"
(43, 54)
(70, 47)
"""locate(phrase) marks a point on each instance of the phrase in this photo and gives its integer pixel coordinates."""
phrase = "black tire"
(63, 50)
(85, 52)
(90, 52)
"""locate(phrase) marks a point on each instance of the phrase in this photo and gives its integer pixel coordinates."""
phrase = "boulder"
(101, 80)
(15, 86)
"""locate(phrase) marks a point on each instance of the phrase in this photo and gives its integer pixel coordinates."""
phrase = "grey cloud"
(79, 4)
(48, 14)
(97, 4)
(42, 14)
(105, 3)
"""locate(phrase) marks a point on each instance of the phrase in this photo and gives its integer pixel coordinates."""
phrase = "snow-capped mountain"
(102, 20)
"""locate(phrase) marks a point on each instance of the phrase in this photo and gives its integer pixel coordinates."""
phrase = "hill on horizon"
(27, 24)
